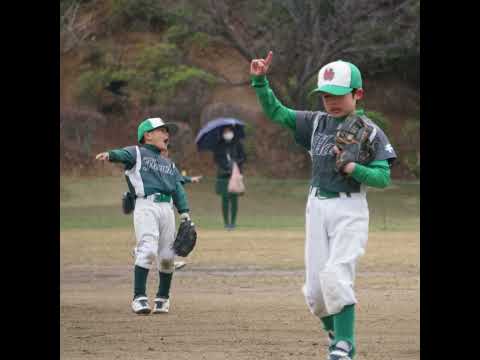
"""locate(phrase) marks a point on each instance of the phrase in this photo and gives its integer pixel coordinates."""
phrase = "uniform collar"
(359, 112)
(152, 147)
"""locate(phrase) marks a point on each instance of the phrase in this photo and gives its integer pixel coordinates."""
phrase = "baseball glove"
(186, 238)
(355, 139)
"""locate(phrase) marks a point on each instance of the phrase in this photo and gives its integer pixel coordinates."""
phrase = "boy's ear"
(358, 94)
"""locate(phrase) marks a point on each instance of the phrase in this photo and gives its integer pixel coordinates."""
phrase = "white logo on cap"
(389, 148)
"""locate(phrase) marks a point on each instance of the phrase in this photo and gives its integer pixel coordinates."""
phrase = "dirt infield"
(239, 297)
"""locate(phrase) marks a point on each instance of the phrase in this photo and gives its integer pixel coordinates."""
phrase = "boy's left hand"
(348, 168)
(196, 179)
(184, 217)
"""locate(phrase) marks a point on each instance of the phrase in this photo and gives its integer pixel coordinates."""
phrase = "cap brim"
(172, 128)
(333, 89)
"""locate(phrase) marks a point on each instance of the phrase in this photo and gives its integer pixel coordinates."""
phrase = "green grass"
(94, 203)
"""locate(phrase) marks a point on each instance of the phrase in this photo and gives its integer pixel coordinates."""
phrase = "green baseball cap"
(153, 123)
(338, 78)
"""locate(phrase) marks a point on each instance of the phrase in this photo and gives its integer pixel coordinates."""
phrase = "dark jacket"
(226, 153)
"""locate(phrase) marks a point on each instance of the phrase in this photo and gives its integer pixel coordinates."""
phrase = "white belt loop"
(151, 197)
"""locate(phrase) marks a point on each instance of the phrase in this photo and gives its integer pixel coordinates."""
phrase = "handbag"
(235, 183)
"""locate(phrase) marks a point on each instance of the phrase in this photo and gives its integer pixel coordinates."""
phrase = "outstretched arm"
(118, 155)
(191, 179)
(271, 106)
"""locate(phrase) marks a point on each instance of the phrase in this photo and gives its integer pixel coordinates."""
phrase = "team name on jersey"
(323, 145)
(152, 164)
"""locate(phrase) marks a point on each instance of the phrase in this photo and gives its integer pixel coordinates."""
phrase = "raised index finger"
(268, 59)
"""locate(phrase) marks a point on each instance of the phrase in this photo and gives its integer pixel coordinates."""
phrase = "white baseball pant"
(336, 236)
(154, 224)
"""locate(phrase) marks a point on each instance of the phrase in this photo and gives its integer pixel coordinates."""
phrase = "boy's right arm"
(270, 104)
(124, 156)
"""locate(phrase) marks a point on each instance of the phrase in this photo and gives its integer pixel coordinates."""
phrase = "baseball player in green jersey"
(178, 264)
(337, 215)
(157, 185)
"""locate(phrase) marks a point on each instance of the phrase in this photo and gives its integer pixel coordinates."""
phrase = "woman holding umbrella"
(222, 137)
(228, 151)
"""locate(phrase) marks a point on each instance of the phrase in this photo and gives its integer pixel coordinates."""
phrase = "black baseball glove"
(186, 238)
(355, 139)
(128, 202)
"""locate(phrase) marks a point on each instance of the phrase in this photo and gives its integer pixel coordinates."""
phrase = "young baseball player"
(157, 185)
(337, 213)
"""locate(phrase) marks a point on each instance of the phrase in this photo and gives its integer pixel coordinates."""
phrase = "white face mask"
(228, 136)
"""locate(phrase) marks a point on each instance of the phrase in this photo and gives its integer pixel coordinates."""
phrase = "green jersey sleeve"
(126, 156)
(180, 198)
(271, 106)
(375, 174)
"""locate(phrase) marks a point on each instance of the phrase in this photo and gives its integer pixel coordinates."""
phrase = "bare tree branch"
(305, 34)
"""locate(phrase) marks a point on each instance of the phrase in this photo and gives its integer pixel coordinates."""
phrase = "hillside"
(111, 120)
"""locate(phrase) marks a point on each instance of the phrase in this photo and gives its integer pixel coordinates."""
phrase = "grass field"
(95, 203)
(239, 297)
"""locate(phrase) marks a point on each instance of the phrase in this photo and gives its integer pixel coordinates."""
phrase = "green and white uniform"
(158, 186)
(337, 213)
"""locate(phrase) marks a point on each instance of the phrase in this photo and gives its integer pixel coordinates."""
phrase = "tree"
(74, 28)
(306, 34)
